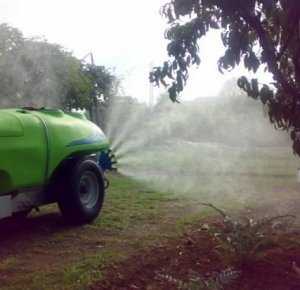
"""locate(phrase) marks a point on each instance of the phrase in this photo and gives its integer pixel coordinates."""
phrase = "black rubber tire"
(70, 198)
(21, 215)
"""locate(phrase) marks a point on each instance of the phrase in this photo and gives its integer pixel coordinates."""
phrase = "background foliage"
(34, 72)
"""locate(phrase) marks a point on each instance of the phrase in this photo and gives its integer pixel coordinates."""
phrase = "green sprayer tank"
(48, 156)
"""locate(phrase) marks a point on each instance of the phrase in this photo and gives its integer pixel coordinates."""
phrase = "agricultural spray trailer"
(49, 156)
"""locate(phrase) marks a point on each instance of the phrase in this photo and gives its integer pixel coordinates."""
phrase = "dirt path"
(195, 261)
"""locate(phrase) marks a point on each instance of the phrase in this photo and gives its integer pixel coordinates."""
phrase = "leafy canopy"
(256, 33)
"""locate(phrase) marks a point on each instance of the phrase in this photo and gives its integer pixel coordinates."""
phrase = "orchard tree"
(51, 75)
(11, 45)
(34, 72)
(104, 87)
(256, 33)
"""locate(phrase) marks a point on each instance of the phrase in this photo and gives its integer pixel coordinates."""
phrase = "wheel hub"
(89, 189)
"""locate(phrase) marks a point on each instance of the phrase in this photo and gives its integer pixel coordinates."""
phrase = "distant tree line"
(229, 118)
(34, 72)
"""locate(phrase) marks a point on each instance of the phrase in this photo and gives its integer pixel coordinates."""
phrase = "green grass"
(128, 203)
(214, 171)
(136, 214)
(61, 257)
(210, 158)
(74, 276)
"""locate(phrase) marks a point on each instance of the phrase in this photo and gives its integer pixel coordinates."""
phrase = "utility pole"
(151, 89)
(94, 111)
(90, 54)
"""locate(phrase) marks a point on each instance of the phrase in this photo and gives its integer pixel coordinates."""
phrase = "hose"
(106, 183)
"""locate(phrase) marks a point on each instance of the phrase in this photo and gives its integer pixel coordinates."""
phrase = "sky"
(127, 36)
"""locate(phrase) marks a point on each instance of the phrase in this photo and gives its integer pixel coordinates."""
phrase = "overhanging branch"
(269, 50)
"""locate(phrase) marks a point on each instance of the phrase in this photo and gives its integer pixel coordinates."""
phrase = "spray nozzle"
(107, 160)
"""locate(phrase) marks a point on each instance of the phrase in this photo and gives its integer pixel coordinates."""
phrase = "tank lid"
(53, 112)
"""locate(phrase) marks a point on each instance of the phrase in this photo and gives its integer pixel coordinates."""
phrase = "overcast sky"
(124, 35)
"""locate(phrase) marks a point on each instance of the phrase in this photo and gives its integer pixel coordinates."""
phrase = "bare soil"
(176, 261)
(167, 266)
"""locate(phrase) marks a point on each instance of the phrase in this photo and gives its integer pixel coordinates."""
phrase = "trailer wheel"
(82, 192)
(21, 215)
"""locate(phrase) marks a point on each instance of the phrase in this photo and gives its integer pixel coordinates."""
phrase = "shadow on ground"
(14, 231)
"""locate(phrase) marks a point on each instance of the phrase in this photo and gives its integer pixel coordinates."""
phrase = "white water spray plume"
(209, 149)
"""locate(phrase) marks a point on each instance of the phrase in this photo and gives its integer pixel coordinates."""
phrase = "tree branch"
(270, 52)
(291, 33)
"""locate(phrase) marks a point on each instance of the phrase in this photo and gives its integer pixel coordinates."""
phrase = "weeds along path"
(196, 261)
(242, 251)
